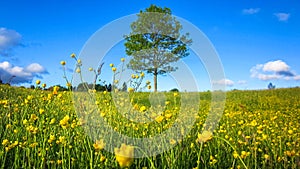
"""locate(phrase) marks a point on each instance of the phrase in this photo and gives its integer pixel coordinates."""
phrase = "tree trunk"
(155, 79)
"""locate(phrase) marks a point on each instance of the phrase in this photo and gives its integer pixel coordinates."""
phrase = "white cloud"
(17, 74)
(242, 82)
(251, 11)
(8, 40)
(282, 16)
(277, 69)
(35, 68)
(5, 65)
(268, 77)
(276, 66)
(225, 82)
(297, 77)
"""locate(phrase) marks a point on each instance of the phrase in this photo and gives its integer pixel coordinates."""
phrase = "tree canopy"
(155, 42)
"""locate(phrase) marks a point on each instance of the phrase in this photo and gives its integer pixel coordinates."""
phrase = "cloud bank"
(242, 82)
(273, 70)
(225, 82)
(251, 11)
(16, 74)
(282, 16)
(8, 40)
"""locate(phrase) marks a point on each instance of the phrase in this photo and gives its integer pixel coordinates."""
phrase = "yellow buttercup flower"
(143, 108)
(264, 136)
(61, 139)
(41, 111)
(99, 145)
(130, 89)
(244, 154)
(51, 138)
(52, 121)
(124, 155)
(111, 65)
(32, 129)
(266, 156)
(205, 136)
(172, 141)
(32, 145)
(253, 123)
(122, 59)
(114, 69)
(29, 97)
(5, 142)
(136, 107)
(235, 154)
(169, 115)
(25, 121)
(33, 117)
(142, 74)
(8, 126)
(290, 153)
(14, 144)
(102, 158)
(55, 90)
(159, 119)
(68, 84)
(65, 122)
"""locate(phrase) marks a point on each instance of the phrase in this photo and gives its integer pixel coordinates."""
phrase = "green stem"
(233, 149)
(151, 162)
(199, 155)
(4, 159)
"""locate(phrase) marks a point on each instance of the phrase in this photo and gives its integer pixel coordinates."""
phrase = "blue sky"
(257, 41)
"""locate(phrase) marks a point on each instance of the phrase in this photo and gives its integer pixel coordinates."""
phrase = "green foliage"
(271, 86)
(156, 42)
(85, 86)
(174, 90)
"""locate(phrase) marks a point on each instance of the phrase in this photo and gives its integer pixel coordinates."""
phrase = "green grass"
(39, 129)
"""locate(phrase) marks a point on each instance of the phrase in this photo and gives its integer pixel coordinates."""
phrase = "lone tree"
(155, 42)
(271, 86)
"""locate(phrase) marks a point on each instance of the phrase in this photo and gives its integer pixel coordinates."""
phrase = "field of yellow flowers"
(41, 129)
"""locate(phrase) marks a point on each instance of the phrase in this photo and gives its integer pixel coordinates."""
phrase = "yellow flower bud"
(63, 63)
(38, 82)
(73, 55)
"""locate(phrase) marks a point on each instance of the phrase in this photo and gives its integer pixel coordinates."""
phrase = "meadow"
(41, 129)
